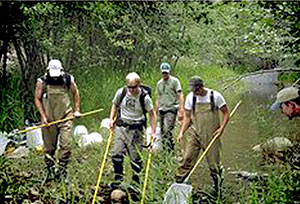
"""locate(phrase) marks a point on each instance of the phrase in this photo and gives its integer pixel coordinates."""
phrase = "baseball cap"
(165, 67)
(285, 95)
(195, 81)
(54, 68)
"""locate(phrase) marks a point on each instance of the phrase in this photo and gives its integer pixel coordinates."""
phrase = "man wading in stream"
(53, 102)
(202, 108)
(132, 102)
(169, 102)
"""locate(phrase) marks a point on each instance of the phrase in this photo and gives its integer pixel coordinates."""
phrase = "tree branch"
(260, 72)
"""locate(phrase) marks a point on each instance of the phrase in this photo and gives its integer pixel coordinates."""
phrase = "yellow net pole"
(103, 165)
(147, 172)
(58, 121)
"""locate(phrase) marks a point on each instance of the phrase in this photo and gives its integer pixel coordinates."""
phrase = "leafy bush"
(280, 187)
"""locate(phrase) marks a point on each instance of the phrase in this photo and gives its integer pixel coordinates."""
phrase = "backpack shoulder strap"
(67, 80)
(142, 100)
(122, 96)
(44, 83)
(212, 101)
(143, 95)
(146, 89)
(194, 103)
(43, 78)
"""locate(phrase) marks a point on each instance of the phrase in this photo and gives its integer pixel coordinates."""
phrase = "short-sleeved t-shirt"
(167, 93)
(131, 109)
(219, 100)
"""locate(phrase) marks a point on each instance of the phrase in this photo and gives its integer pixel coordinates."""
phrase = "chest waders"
(57, 106)
(206, 121)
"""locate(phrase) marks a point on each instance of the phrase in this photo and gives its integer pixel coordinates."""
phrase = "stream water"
(241, 133)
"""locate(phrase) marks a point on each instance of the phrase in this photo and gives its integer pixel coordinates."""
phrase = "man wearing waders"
(53, 102)
(132, 102)
(202, 112)
(169, 101)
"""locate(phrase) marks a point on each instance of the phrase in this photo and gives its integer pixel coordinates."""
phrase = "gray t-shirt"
(167, 93)
(131, 109)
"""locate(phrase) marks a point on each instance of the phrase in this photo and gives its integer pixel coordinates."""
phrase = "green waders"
(206, 121)
(57, 106)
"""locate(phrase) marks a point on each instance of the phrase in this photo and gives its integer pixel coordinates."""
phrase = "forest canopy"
(87, 36)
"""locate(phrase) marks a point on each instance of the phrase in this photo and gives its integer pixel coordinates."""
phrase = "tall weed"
(11, 105)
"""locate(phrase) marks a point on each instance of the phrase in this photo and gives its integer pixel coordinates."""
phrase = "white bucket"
(80, 130)
(105, 123)
(34, 138)
(156, 144)
(92, 138)
(3, 143)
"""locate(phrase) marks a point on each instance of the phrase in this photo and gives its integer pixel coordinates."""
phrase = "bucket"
(105, 123)
(93, 137)
(3, 142)
(156, 144)
(34, 138)
(80, 131)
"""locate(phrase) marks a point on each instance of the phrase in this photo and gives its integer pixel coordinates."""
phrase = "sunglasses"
(197, 87)
(132, 87)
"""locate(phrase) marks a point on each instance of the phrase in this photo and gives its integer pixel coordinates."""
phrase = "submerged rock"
(276, 144)
(248, 176)
(33, 194)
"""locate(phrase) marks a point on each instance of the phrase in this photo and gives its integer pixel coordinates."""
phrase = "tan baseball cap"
(285, 95)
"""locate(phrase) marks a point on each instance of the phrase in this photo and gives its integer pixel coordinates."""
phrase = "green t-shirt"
(167, 93)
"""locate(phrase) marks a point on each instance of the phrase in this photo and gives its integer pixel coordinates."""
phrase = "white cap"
(165, 67)
(54, 68)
